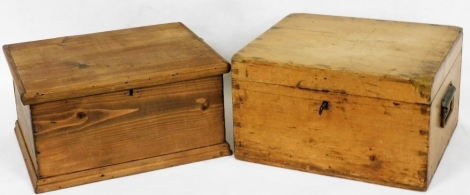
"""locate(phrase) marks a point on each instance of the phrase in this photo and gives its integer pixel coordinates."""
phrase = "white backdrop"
(226, 26)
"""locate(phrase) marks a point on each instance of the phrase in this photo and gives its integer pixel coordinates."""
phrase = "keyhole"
(323, 106)
(131, 92)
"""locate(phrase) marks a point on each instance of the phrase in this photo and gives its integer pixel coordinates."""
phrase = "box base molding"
(118, 170)
(328, 173)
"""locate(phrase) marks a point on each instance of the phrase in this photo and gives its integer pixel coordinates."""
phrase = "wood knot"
(204, 104)
(372, 158)
(81, 115)
(82, 66)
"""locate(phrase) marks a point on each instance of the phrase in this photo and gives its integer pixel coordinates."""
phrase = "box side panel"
(26, 156)
(113, 128)
(26, 128)
(439, 137)
(367, 139)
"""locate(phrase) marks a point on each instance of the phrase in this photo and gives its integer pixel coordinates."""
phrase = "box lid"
(83, 65)
(383, 59)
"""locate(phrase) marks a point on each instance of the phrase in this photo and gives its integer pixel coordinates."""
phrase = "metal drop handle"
(447, 104)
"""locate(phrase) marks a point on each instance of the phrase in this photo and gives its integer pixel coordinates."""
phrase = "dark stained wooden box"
(363, 99)
(104, 105)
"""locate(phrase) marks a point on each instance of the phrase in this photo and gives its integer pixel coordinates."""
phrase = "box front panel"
(367, 139)
(107, 129)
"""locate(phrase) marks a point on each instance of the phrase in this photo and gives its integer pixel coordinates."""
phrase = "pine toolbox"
(363, 99)
(104, 105)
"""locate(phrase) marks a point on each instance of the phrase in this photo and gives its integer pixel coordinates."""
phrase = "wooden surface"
(23, 113)
(280, 126)
(439, 137)
(75, 66)
(28, 160)
(98, 106)
(96, 131)
(376, 57)
(118, 170)
(383, 80)
(226, 26)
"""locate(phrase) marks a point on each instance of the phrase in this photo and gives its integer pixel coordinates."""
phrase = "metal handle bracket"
(447, 104)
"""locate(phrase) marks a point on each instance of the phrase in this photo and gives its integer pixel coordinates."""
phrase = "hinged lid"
(383, 59)
(76, 66)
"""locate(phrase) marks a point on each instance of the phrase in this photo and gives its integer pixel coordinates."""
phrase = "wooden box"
(104, 105)
(363, 99)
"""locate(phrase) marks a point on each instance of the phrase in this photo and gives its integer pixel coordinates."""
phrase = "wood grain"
(139, 166)
(112, 128)
(396, 53)
(447, 65)
(119, 170)
(98, 106)
(24, 121)
(28, 160)
(439, 137)
(279, 125)
(13, 70)
(110, 61)
(383, 81)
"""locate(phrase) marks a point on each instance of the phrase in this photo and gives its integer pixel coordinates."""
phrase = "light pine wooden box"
(104, 105)
(369, 100)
